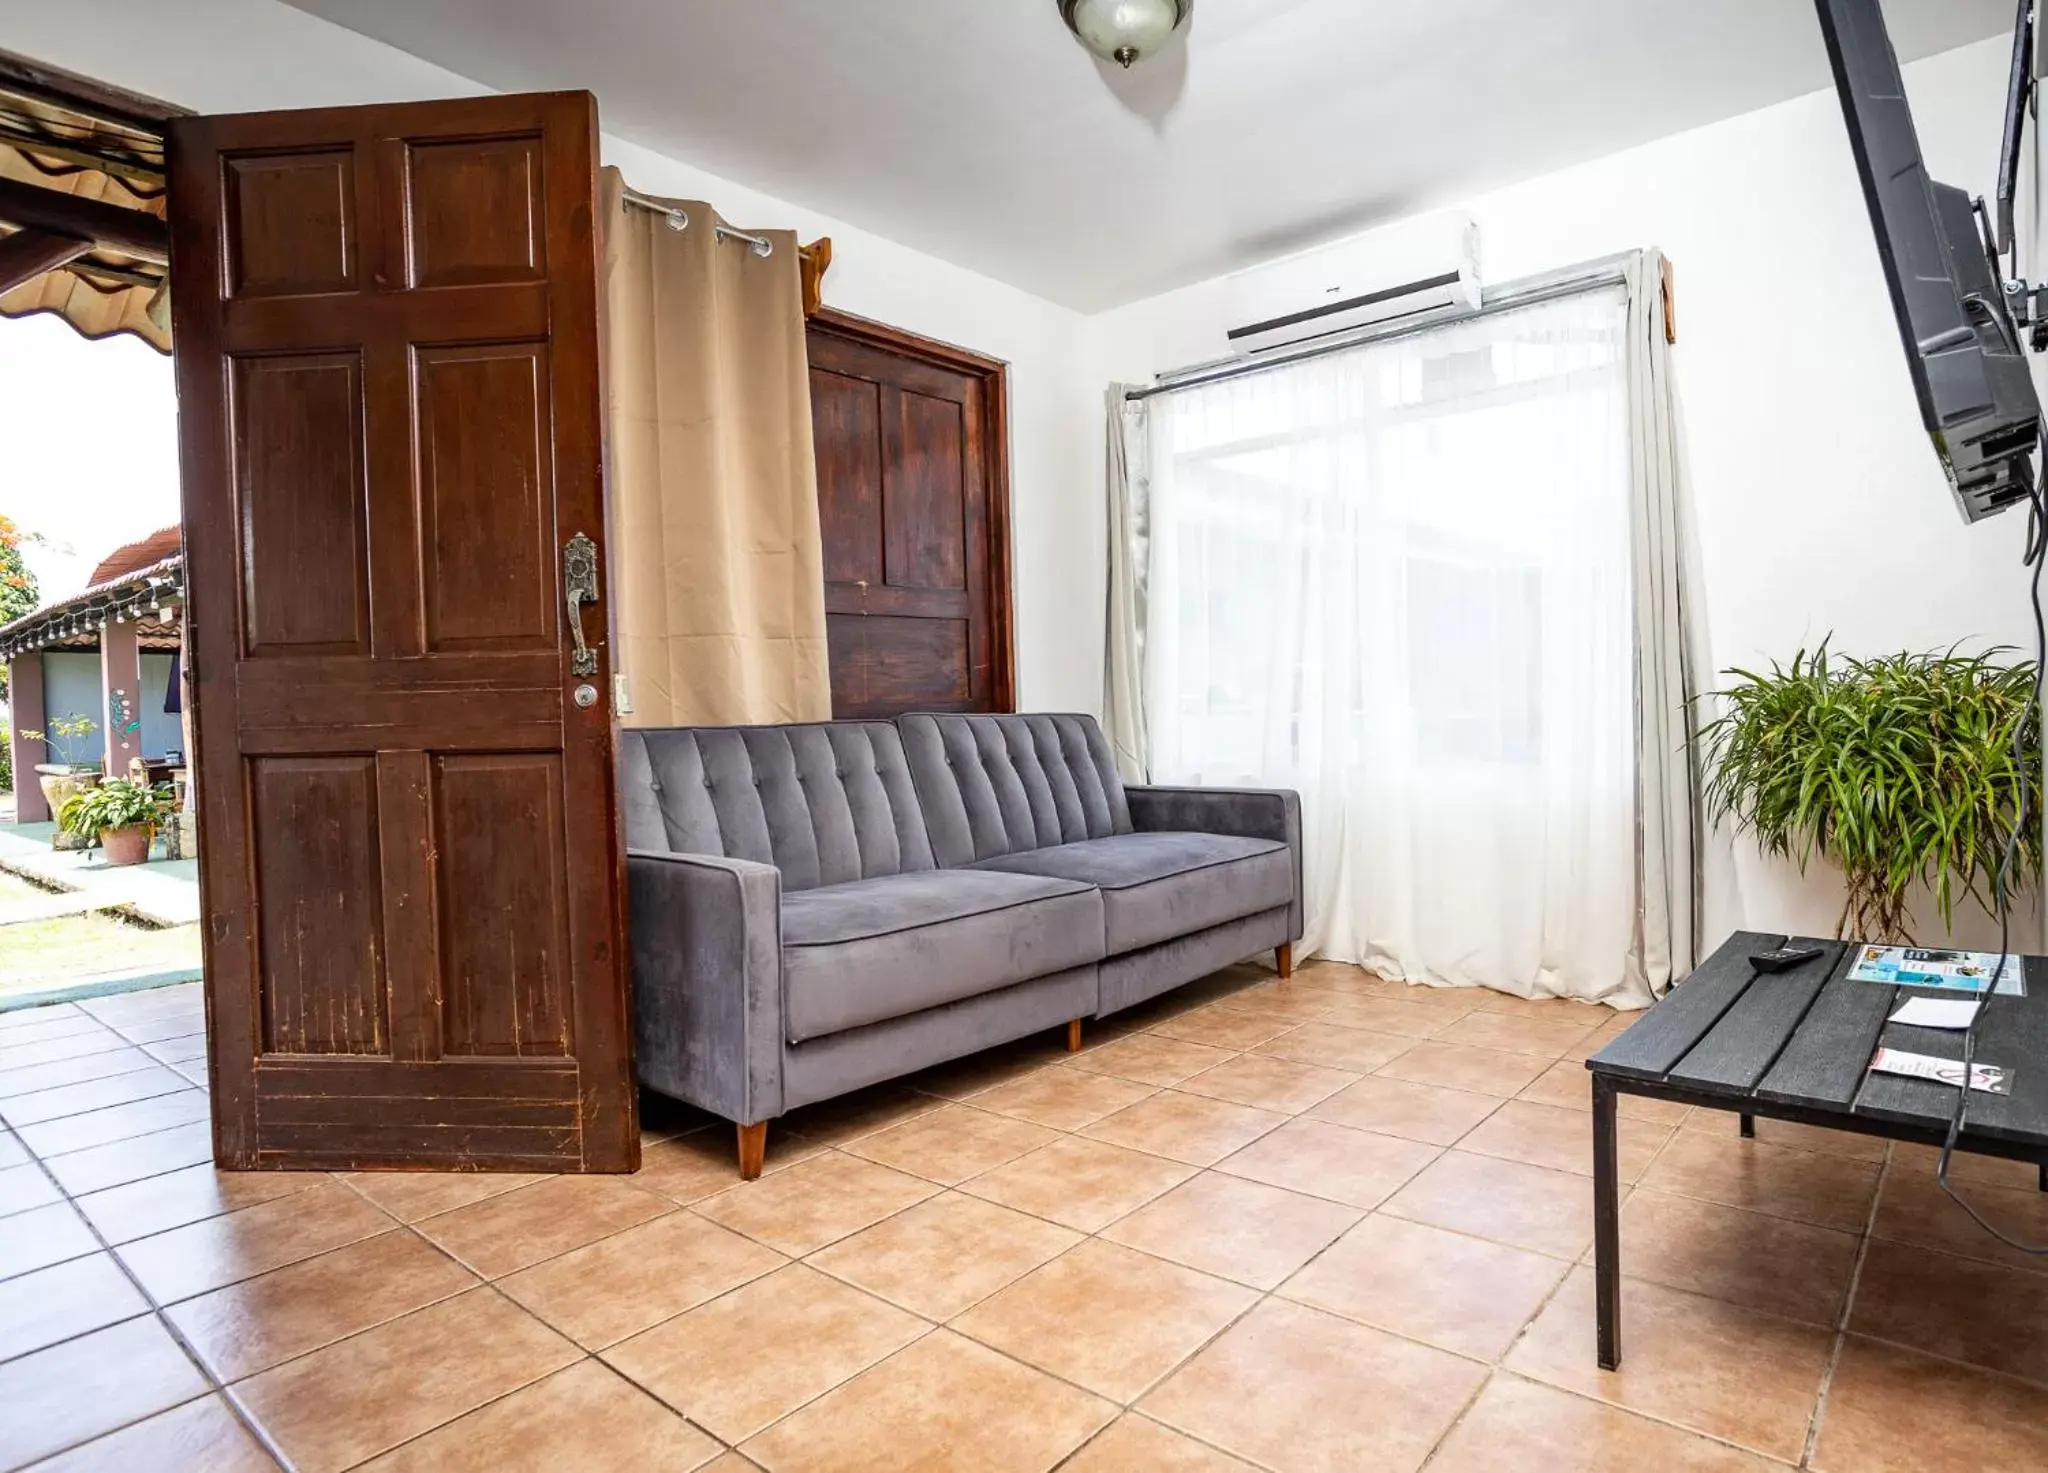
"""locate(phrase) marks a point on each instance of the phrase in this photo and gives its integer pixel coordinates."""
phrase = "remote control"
(1783, 957)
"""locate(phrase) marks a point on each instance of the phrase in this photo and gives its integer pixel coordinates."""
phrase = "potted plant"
(71, 773)
(120, 815)
(1898, 770)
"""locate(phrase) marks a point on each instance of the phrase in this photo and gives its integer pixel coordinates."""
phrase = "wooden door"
(913, 497)
(386, 322)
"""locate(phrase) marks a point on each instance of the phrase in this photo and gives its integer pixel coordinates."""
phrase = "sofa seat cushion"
(1157, 886)
(883, 948)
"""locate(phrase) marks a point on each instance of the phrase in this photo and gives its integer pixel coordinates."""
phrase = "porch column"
(25, 700)
(121, 690)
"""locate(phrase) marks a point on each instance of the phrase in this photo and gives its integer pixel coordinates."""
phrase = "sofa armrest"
(706, 936)
(1249, 813)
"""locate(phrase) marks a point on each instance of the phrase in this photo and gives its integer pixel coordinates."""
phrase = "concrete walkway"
(164, 892)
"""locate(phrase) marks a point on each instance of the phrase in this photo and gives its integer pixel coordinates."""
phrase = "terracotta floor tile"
(1584, 1016)
(1567, 1085)
(1356, 1049)
(1279, 1003)
(1061, 1098)
(1083, 1184)
(31, 1078)
(1380, 1015)
(1185, 1128)
(1221, 1027)
(93, 1094)
(944, 1254)
(413, 1196)
(731, 1463)
(1107, 1318)
(1355, 1167)
(619, 1286)
(1955, 1308)
(1544, 1135)
(1296, 1389)
(1504, 1201)
(1815, 1138)
(746, 1358)
(1912, 1208)
(361, 1396)
(114, 1123)
(84, 1388)
(688, 1168)
(66, 1299)
(1773, 1264)
(1990, 1171)
(587, 1418)
(801, 1209)
(1517, 1425)
(1730, 1372)
(1269, 1083)
(1445, 1289)
(956, 1403)
(503, 1234)
(1545, 1038)
(124, 1161)
(1600, 1037)
(1132, 1442)
(203, 1436)
(1235, 1229)
(26, 1186)
(1149, 1058)
(264, 1321)
(848, 1118)
(1829, 1191)
(1891, 1411)
(985, 1070)
(218, 1251)
(1486, 1071)
(1416, 1112)
(951, 1144)
(159, 1203)
(42, 1236)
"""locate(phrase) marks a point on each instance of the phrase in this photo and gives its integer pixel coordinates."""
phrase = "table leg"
(1749, 1127)
(1606, 1225)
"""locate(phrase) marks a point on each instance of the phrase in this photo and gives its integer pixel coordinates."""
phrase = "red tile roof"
(124, 560)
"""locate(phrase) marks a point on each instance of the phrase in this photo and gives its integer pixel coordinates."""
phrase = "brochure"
(1950, 971)
(1990, 1078)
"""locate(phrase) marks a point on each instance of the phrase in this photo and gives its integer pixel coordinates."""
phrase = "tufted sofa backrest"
(993, 785)
(824, 803)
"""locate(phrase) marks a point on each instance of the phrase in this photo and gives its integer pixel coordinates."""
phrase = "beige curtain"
(715, 551)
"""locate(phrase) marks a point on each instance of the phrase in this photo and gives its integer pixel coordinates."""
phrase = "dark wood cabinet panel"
(913, 497)
(390, 425)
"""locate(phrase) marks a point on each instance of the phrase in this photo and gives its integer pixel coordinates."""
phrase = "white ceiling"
(980, 132)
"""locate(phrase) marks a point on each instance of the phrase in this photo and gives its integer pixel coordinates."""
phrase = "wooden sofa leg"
(1283, 958)
(1074, 1036)
(753, 1149)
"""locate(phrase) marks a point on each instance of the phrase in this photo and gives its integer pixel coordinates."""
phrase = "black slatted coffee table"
(1795, 1045)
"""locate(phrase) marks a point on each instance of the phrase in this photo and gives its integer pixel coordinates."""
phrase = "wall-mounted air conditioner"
(1422, 268)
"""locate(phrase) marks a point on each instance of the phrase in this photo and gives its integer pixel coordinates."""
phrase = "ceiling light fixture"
(1124, 31)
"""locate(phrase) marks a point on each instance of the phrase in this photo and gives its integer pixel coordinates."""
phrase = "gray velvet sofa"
(817, 908)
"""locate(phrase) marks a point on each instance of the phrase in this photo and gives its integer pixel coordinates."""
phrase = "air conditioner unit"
(1422, 268)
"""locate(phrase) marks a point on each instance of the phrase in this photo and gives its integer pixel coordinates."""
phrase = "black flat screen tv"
(1963, 350)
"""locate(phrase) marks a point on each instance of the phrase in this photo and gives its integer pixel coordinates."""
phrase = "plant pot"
(128, 845)
(59, 780)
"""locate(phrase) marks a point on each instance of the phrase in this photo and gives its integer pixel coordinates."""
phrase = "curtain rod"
(1529, 291)
(679, 219)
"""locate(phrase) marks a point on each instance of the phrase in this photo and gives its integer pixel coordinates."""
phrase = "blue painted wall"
(71, 682)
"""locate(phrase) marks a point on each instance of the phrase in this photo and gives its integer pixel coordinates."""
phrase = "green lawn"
(37, 955)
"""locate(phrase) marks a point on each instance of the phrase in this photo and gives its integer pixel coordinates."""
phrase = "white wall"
(1820, 505)
(237, 55)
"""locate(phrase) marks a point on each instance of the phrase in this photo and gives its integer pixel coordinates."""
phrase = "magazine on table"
(1947, 971)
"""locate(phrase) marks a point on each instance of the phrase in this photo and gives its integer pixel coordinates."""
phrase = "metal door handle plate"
(579, 583)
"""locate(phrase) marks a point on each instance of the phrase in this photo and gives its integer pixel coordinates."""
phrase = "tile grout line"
(155, 1310)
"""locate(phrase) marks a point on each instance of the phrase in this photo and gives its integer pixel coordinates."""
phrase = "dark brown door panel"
(389, 406)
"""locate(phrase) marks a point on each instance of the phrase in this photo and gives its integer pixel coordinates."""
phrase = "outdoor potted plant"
(1901, 770)
(120, 815)
(71, 773)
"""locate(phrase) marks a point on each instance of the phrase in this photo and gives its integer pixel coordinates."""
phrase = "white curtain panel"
(1129, 480)
(1399, 579)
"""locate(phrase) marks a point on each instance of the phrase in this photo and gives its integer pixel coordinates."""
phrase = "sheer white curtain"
(1398, 578)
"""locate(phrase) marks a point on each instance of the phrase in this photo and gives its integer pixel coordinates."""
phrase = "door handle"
(579, 585)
